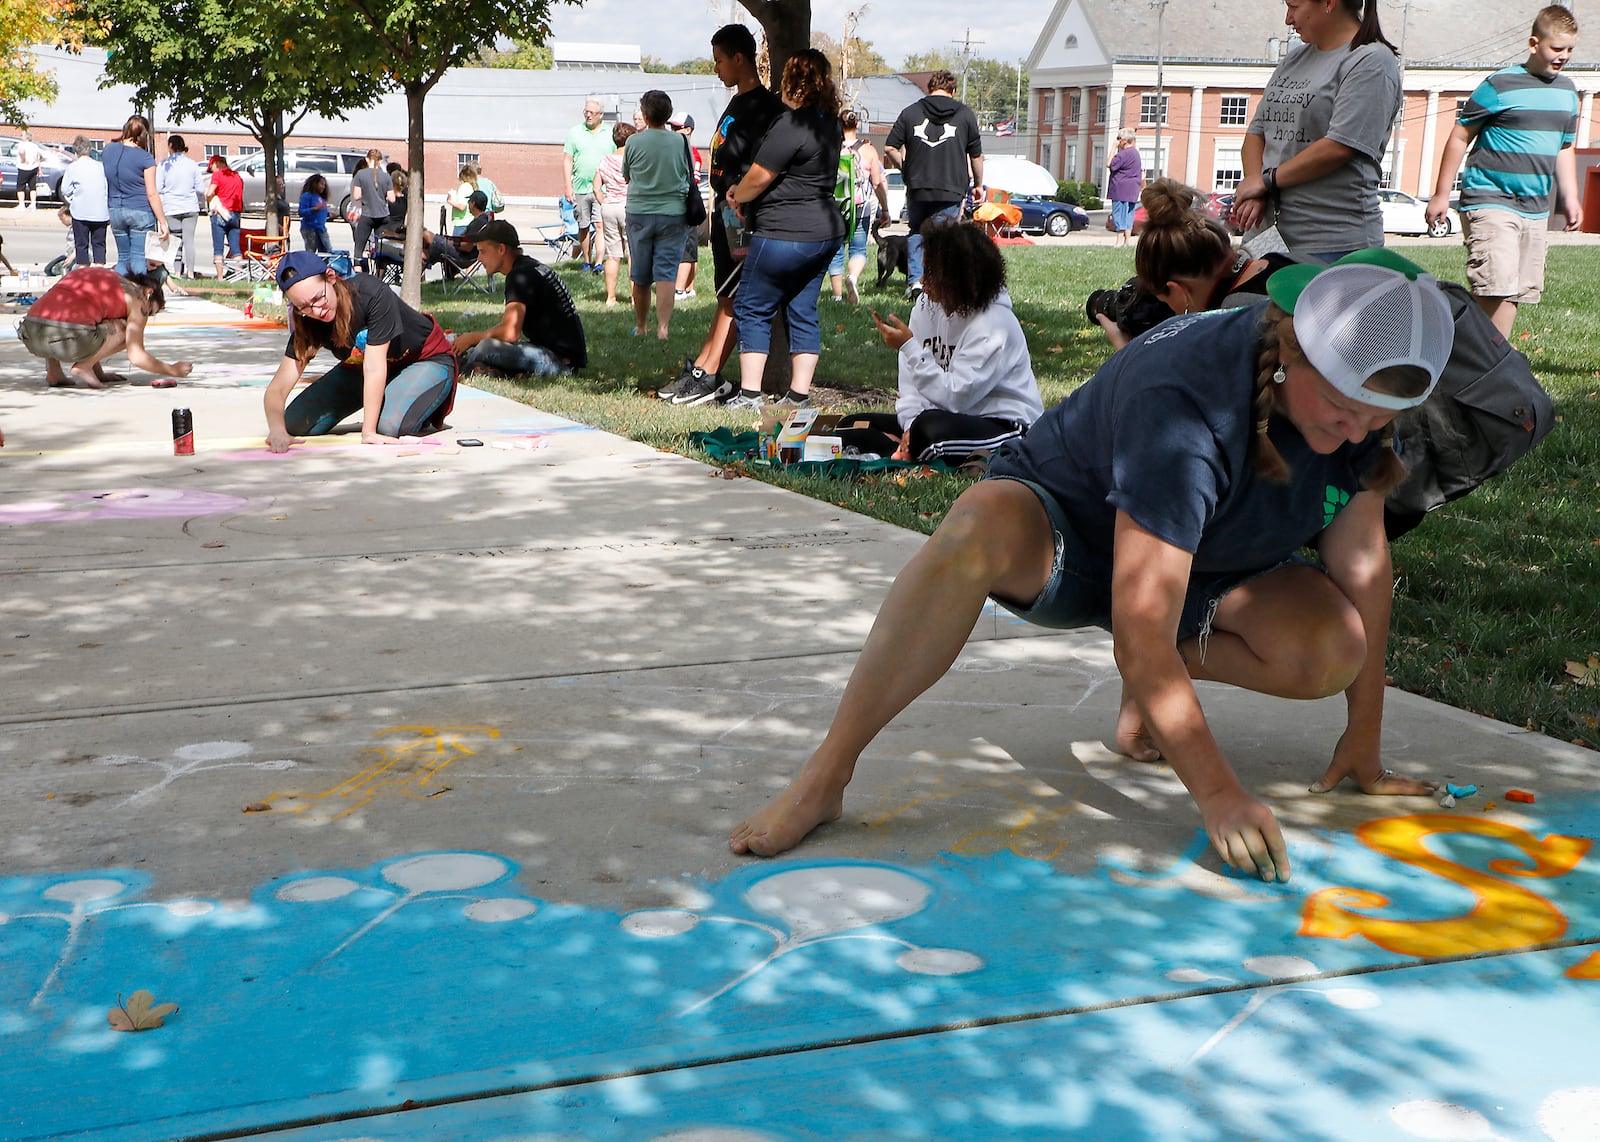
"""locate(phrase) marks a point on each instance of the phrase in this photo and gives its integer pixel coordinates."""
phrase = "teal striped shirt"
(1522, 123)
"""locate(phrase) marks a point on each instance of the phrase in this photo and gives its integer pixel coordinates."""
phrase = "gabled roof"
(1446, 33)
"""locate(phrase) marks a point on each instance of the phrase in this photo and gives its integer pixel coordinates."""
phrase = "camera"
(1132, 308)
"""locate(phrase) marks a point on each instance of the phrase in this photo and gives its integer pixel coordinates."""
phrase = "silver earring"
(1278, 375)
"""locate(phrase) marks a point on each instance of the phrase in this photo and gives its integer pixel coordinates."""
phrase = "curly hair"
(962, 269)
(808, 82)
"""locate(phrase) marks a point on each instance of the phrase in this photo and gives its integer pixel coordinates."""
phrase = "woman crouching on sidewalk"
(89, 315)
(404, 381)
(1165, 500)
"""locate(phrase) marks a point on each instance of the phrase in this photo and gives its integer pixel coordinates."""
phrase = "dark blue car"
(1049, 215)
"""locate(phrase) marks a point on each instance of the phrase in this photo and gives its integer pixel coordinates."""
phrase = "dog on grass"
(893, 254)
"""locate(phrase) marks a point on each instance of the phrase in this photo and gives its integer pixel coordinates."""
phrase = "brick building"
(1094, 69)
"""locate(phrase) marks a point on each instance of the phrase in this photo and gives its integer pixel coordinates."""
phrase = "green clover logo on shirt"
(1332, 500)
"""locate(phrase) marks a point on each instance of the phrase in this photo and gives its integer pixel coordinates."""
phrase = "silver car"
(299, 164)
(50, 170)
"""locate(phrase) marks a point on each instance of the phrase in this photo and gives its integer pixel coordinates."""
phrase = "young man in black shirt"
(937, 177)
(540, 332)
(740, 129)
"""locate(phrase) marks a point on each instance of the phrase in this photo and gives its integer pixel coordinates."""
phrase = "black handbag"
(694, 206)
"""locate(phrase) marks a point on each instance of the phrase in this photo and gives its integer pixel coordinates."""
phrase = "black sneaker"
(690, 372)
(706, 388)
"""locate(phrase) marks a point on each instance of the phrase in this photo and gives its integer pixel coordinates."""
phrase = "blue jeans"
(655, 247)
(779, 274)
(524, 357)
(129, 225)
(917, 215)
(224, 236)
(413, 395)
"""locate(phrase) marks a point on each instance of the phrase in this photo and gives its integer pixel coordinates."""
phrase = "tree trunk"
(411, 281)
(268, 135)
(787, 26)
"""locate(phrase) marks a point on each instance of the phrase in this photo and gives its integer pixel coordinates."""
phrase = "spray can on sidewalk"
(182, 432)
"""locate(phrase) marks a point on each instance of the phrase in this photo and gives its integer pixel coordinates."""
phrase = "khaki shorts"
(62, 340)
(1505, 254)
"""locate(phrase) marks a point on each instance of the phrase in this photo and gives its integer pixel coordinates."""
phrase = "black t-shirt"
(937, 135)
(549, 317)
(739, 132)
(382, 315)
(802, 151)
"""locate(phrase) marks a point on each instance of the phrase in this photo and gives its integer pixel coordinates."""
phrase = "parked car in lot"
(895, 184)
(1049, 215)
(299, 164)
(50, 170)
(1404, 214)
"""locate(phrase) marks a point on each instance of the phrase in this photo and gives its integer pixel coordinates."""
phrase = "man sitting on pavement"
(540, 332)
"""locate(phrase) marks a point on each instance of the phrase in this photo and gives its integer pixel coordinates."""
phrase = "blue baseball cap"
(298, 265)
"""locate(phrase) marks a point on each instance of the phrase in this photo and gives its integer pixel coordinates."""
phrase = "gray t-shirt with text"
(1351, 97)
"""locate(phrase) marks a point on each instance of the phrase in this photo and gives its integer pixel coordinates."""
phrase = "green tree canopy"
(251, 62)
(864, 59)
(24, 23)
(525, 54)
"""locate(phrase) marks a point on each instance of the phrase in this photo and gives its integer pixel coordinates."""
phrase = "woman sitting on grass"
(89, 315)
(966, 384)
(403, 382)
(1165, 500)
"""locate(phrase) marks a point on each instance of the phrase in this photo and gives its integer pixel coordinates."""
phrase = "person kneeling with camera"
(1185, 263)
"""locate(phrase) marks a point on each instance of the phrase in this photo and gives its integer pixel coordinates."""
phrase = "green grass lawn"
(1494, 595)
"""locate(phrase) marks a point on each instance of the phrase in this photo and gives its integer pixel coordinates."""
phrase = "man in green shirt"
(587, 143)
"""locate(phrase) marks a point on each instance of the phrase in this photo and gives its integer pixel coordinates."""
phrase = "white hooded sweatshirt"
(975, 365)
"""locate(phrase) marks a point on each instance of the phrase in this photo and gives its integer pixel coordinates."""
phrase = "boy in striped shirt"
(1520, 124)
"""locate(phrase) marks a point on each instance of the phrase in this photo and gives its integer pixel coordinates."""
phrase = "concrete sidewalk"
(406, 772)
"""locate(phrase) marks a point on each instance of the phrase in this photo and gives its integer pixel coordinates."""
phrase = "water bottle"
(733, 227)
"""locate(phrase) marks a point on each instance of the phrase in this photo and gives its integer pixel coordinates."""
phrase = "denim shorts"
(1078, 591)
(655, 246)
(854, 246)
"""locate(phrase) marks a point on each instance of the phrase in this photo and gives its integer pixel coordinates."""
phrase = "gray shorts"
(583, 209)
(1078, 592)
(63, 340)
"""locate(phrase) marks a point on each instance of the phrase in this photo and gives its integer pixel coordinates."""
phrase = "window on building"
(1046, 153)
(1048, 116)
(1147, 110)
(1235, 111)
(1069, 163)
(465, 157)
(246, 149)
(1100, 109)
(1229, 168)
(1074, 107)
(215, 149)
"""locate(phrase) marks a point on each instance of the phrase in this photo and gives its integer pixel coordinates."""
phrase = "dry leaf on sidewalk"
(1585, 673)
(137, 1014)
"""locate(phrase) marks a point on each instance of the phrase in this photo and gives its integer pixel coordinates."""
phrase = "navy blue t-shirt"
(1161, 432)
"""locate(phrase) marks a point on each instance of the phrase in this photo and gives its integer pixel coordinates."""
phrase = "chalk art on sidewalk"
(120, 503)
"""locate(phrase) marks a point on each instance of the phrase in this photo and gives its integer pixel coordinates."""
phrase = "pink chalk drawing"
(121, 503)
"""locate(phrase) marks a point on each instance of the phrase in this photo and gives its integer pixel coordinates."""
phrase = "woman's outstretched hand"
(894, 332)
(1365, 767)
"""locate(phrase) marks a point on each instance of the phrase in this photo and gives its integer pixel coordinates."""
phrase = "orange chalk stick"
(1519, 795)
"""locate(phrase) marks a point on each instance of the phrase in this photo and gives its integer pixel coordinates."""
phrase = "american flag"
(1006, 126)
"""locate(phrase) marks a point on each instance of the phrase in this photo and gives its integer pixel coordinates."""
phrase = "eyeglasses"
(321, 300)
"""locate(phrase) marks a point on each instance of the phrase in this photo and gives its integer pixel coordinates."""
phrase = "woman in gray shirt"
(1313, 155)
(373, 190)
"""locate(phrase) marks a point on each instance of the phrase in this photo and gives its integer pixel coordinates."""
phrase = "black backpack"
(1487, 412)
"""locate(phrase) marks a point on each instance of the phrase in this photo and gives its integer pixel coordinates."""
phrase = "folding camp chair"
(562, 237)
(260, 254)
(474, 275)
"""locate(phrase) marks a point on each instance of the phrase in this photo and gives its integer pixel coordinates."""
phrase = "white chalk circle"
(1280, 967)
(317, 888)
(1571, 1115)
(211, 751)
(445, 872)
(659, 922)
(824, 901)
(938, 961)
(189, 907)
(1351, 998)
(85, 891)
(1441, 1121)
(500, 911)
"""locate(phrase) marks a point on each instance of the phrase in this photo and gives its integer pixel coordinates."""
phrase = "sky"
(895, 28)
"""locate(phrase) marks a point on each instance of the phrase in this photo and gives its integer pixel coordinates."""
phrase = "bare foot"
(1387, 784)
(783, 822)
(113, 378)
(1133, 740)
(87, 378)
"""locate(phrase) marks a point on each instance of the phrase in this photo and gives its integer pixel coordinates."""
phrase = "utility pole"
(966, 55)
(1161, 13)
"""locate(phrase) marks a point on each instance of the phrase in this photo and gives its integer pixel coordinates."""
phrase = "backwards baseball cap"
(499, 231)
(684, 124)
(298, 265)
(1366, 312)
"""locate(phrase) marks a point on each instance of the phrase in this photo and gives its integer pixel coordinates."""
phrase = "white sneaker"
(852, 290)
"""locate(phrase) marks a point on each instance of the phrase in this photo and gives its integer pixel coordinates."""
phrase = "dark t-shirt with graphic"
(550, 318)
(739, 132)
(1162, 431)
